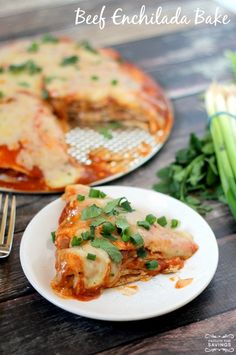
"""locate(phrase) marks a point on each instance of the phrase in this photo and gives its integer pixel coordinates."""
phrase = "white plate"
(155, 297)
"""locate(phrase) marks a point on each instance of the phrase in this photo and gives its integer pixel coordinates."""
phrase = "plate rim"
(121, 318)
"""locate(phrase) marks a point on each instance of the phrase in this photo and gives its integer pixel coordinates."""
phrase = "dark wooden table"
(184, 60)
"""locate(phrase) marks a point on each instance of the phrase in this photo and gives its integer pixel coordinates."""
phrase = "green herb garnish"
(28, 66)
(174, 223)
(108, 228)
(86, 235)
(75, 242)
(94, 77)
(91, 212)
(150, 219)
(162, 221)
(86, 45)
(1, 95)
(137, 240)
(80, 198)
(45, 94)
(48, 38)
(53, 236)
(91, 256)
(141, 252)
(111, 249)
(97, 222)
(34, 47)
(144, 224)
(193, 177)
(114, 82)
(105, 132)
(126, 206)
(94, 193)
(69, 60)
(151, 264)
(1, 70)
(24, 84)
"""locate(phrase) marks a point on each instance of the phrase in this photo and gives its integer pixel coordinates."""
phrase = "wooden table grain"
(184, 60)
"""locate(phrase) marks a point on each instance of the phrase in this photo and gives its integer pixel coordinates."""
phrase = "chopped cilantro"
(94, 193)
(91, 212)
(97, 222)
(29, 66)
(111, 249)
(69, 60)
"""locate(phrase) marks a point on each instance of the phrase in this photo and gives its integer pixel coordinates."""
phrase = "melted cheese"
(77, 79)
(28, 126)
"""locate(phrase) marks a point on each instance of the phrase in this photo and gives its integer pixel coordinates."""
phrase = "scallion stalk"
(221, 104)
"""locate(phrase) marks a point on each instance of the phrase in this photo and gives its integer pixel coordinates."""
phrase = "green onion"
(151, 264)
(86, 235)
(91, 256)
(53, 236)
(137, 240)
(150, 219)
(91, 212)
(108, 228)
(94, 193)
(75, 242)
(141, 252)
(69, 60)
(220, 99)
(174, 223)
(162, 221)
(80, 197)
(143, 224)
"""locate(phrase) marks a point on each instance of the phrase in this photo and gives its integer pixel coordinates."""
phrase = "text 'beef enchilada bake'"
(103, 242)
(49, 85)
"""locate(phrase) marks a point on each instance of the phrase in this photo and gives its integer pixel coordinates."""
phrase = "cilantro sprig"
(193, 177)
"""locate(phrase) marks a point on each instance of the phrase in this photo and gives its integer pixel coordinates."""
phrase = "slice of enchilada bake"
(50, 84)
(103, 242)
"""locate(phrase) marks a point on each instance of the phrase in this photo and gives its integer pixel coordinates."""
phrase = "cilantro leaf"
(91, 212)
(111, 249)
